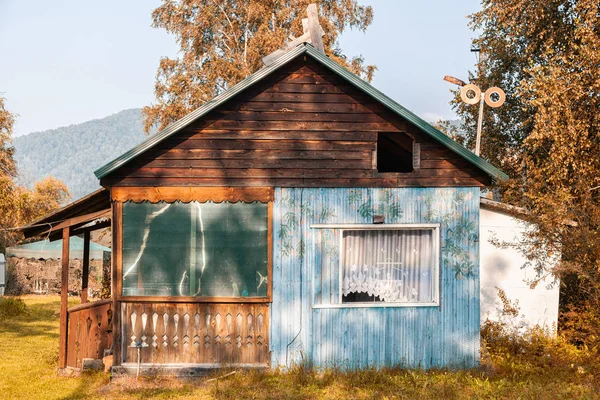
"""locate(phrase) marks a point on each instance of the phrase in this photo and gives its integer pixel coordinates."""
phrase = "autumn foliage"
(223, 41)
(546, 55)
(20, 205)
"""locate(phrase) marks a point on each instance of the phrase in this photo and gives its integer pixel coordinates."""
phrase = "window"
(195, 249)
(394, 152)
(390, 265)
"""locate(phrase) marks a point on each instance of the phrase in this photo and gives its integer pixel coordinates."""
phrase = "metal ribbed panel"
(306, 273)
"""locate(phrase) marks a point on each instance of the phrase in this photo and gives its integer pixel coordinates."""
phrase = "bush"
(11, 307)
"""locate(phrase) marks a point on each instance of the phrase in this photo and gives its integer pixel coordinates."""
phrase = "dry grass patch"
(533, 367)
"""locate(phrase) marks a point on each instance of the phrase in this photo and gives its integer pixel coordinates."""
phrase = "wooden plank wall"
(196, 333)
(301, 127)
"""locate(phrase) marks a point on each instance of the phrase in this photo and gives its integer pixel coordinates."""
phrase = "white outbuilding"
(507, 268)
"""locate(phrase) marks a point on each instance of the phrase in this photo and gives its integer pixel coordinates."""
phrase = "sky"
(65, 62)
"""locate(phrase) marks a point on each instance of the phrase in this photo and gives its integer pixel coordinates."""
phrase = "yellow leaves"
(223, 41)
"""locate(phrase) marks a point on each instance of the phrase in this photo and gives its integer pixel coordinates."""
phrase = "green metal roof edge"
(199, 112)
(408, 115)
(281, 61)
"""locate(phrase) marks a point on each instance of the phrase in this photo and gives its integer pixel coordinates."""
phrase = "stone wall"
(30, 275)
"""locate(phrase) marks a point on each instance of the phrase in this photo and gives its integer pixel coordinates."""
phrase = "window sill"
(376, 305)
(192, 299)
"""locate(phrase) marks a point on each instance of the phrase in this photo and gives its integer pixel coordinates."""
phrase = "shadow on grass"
(39, 319)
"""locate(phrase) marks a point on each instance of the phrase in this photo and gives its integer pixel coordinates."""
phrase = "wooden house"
(301, 216)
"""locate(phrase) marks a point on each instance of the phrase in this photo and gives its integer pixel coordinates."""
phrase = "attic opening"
(395, 152)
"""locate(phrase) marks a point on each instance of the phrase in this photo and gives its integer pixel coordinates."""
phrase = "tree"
(223, 41)
(19, 205)
(546, 55)
(7, 121)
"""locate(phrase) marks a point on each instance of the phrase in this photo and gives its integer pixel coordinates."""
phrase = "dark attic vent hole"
(394, 152)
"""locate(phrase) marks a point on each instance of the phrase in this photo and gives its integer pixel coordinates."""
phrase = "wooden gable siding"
(301, 127)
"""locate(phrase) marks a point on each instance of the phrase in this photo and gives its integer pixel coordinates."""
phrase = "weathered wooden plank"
(288, 115)
(203, 134)
(187, 194)
(311, 88)
(445, 164)
(250, 154)
(259, 163)
(355, 108)
(262, 144)
(247, 173)
(297, 126)
(306, 75)
(308, 97)
(441, 154)
(410, 181)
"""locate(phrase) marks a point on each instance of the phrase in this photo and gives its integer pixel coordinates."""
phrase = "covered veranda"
(85, 329)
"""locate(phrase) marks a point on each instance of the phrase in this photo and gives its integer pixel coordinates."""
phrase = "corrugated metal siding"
(306, 273)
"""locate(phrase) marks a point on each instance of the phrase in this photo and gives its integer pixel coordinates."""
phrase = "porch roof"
(88, 213)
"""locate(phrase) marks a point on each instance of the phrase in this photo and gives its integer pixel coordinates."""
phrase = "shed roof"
(46, 249)
(303, 49)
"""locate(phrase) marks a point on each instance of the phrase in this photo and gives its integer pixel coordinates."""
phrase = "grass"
(535, 368)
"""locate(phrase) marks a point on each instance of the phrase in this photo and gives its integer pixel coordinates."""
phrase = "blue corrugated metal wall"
(306, 273)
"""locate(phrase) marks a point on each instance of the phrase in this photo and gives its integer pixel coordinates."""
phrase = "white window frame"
(380, 227)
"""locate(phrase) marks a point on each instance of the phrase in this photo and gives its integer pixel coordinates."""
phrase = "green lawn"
(540, 370)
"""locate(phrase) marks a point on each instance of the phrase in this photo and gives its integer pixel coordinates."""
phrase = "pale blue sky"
(66, 62)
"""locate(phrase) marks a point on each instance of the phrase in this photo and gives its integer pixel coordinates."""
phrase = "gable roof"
(252, 79)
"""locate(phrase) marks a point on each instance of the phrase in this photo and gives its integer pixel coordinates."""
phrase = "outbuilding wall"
(505, 267)
(306, 328)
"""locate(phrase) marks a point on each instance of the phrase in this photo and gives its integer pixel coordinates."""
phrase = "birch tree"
(223, 41)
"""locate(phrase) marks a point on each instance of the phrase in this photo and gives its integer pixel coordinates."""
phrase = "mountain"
(72, 153)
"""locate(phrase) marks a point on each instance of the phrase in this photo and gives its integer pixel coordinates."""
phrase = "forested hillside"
(72, 153)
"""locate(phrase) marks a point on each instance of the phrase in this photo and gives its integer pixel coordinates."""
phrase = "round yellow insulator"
(468, 89)
(498, 92)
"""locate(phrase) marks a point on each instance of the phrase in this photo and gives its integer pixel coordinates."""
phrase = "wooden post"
(85, 270)
(64, 291)
(117, 240)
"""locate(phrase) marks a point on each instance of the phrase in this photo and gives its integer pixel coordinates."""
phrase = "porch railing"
(89, 331)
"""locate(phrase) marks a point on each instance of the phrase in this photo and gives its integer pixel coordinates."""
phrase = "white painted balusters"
(186, 337)
(166, 323)
(249, 338)
(144, 337)
(133, 337)
(238, 323)
(197, 324)
(259, 337)
(228, 319)
(175, 337)
(196, 333)
(207, 336)
(154, 337)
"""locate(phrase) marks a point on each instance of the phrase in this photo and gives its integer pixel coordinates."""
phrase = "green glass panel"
(195, 249)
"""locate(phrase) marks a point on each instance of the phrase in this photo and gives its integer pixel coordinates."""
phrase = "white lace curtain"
(394, 265)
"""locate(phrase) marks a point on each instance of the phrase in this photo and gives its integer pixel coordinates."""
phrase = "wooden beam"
(81, 230)
(64, 291)
(187, 194)
(86, 267)
(82, 219)
(314, 28)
